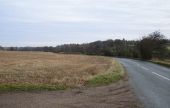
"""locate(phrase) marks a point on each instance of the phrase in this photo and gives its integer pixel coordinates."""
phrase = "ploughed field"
(19, 69)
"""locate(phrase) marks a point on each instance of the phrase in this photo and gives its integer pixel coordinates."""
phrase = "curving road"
(151, 82)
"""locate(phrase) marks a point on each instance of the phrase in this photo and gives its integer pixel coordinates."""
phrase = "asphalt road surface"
(151, 82)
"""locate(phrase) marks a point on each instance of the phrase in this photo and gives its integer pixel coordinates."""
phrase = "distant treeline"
(154, 45)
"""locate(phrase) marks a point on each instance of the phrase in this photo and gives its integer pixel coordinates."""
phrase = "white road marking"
(153, 72)
(161, 76)
(144, 68)
(141, 66)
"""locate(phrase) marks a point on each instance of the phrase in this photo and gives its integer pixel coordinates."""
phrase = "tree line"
(155, 45)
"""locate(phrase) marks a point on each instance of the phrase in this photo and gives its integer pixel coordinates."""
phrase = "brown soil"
(118, 95)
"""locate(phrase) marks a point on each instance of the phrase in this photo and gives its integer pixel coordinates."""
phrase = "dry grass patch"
(165, 62)
(39, 68)
(169, 47)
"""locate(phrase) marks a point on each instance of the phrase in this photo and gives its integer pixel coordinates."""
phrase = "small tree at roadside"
(152, 46)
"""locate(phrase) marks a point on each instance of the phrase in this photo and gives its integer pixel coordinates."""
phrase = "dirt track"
(117, 95)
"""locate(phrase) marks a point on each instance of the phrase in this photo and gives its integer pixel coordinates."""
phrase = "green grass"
(30, 87)
(109, 77)
(104, 79)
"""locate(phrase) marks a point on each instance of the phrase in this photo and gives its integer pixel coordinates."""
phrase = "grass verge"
(165, 63)
(113, 75)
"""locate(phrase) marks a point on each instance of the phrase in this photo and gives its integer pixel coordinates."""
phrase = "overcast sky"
(54, 22)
